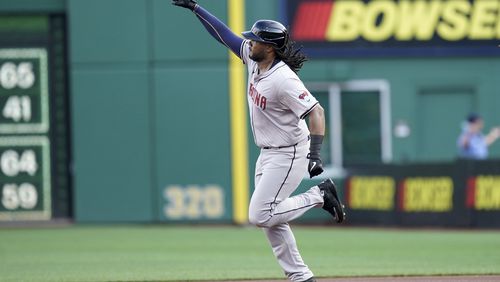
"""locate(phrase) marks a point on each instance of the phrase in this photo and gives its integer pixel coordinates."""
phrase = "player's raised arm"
(215, 27)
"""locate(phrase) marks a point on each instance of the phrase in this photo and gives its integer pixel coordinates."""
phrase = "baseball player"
(278, 104)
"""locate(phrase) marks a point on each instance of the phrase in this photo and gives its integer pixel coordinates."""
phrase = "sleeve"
(219, 30)
(245, 52)
(296, 97)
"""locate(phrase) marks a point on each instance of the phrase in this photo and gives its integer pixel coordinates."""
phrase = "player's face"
(477, 126)
(258, 51)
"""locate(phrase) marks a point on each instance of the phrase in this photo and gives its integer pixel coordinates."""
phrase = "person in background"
(472, 143)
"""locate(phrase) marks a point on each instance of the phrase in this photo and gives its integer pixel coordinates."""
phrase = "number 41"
(17, 108)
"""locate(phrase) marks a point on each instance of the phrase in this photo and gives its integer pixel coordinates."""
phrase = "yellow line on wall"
(238, 119)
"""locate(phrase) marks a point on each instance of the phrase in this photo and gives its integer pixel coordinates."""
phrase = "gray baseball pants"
(278, 173)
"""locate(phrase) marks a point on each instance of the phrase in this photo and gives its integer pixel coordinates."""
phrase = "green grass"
(166, 253)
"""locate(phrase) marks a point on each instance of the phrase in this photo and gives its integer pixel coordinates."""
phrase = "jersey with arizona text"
(278, 102)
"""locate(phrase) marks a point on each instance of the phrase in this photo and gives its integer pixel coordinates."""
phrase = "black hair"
(291, 55)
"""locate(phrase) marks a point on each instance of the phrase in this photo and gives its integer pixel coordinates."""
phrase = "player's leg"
(283, 243)
(280, 172)
(285, 250)
(258, 171)
(277, 176)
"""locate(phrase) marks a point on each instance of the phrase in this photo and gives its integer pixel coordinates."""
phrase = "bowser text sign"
(395, 27)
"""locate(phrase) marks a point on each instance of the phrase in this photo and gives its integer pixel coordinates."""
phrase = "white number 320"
(193, 202)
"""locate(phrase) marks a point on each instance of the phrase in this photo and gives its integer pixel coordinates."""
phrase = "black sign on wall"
(459, 194)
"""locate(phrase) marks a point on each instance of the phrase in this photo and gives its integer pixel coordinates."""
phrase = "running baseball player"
(278, 104)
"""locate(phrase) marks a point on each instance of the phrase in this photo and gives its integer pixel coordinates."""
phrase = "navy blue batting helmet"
(473, 117)
(268, 31)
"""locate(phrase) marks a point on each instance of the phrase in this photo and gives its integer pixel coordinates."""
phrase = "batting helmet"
(268, 31)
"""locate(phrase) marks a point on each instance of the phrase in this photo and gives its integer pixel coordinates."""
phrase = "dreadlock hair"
(291, 55)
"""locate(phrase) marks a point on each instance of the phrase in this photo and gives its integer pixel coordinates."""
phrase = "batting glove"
(315, 166)
(188, 4)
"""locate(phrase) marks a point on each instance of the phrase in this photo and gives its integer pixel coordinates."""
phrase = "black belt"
(281, 147)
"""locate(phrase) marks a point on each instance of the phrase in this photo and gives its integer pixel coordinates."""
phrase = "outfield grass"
(166, 253)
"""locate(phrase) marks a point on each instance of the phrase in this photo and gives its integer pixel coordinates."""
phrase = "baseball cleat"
(332, 203)
(312, 279)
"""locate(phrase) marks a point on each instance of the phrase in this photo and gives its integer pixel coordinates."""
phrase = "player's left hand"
(315, 166)
(189, 4)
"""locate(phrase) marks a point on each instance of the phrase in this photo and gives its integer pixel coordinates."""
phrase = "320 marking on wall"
(193, 202)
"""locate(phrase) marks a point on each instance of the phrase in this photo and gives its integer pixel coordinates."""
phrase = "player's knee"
(254, 218)
(260, 222)
(258, 217)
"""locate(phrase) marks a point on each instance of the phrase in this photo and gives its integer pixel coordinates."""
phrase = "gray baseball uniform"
(278, 101)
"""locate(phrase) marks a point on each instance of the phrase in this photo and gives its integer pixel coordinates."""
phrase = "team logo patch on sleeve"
(305, 96)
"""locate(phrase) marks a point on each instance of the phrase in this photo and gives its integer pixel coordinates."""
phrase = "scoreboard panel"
(25, 178)
(24, 158)
(34, 118)
(24, 91)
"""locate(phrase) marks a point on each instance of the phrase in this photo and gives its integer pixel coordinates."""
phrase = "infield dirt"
(468, 278)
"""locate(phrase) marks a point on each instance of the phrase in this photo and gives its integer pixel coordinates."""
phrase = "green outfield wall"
(167, 138)
(147, 95)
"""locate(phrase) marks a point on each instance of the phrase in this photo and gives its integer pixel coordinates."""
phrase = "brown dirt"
(465, 278)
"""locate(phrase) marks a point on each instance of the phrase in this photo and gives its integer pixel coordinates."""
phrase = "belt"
(281, 147)
(288, 146)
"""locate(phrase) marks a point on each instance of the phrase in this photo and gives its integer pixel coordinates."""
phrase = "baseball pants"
(278, 173)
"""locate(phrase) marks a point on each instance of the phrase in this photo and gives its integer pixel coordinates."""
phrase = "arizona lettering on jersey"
(258, 100)
(278, 102)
